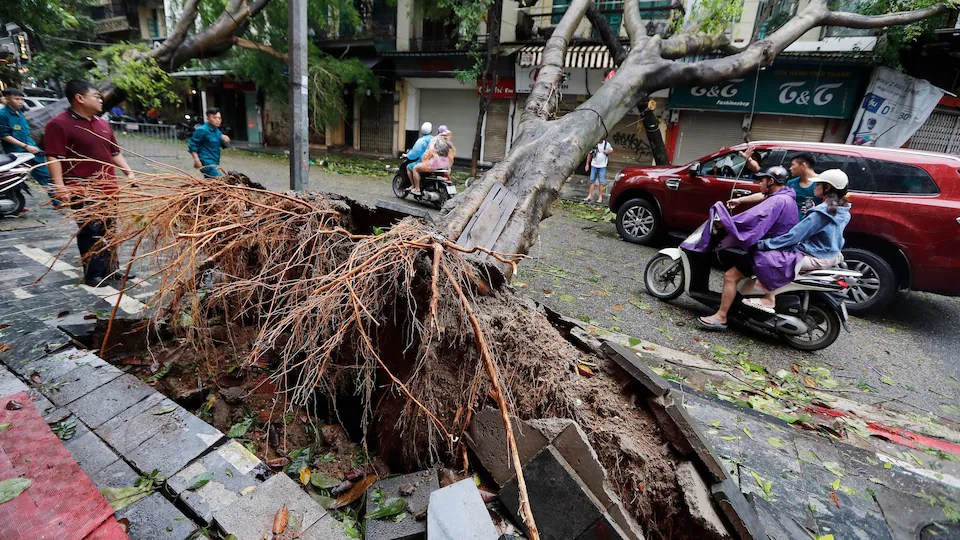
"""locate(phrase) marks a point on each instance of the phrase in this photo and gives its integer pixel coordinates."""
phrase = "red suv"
(905, 231)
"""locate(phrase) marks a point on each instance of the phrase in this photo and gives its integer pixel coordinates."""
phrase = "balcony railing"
(111, 25)
(440, 44)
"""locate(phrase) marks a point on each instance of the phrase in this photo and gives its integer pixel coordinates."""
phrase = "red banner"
(505, 89)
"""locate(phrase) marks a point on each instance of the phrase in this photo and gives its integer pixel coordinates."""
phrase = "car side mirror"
(694, 169)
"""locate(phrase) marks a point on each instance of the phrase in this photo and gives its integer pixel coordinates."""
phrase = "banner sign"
(505, 89)
(894, 107)
(793, 90)
(578, 81)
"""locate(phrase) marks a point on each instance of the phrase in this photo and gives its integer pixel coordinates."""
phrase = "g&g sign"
(800, 90)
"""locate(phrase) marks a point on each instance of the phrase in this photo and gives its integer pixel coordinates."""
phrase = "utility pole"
(299, 148)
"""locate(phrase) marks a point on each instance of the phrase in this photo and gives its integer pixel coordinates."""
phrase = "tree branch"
(187, 18)
(686, 44)
(634, 23)
(856, 20)
(611, 40)
(247, 44)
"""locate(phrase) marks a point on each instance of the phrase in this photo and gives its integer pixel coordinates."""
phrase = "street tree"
(418, 320)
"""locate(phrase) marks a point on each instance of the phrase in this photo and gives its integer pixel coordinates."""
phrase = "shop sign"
(578, 81)
(802, 91)
(505, 89)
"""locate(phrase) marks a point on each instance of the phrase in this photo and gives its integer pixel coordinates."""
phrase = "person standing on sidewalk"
(15, 137)
(205, 144)
(598, 169)
(82, 153)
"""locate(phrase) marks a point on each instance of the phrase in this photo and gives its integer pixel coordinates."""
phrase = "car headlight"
(618, 177)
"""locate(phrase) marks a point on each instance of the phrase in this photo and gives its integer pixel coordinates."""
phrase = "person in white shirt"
(598, 169)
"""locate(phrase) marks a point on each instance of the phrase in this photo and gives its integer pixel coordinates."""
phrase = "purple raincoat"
(774, 216)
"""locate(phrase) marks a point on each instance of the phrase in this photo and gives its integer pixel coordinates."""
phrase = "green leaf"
(199, 480)
(240, 428)
(323, 481)
(634, 341)
(775, 442)
(833, 467)
(715, 423)
(730, 437)
(166, 410)
(120, 498)
(4, 426)
(747, 431)
(888, 465)
(835, 484)
(299, 459)
(568, 299)
(391, 507)
(825, 537)
(9, 489)
(888, 381)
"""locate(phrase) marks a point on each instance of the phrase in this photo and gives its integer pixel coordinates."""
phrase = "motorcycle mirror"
(694, 168)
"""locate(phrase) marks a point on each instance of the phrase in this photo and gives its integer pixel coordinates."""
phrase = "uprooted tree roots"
(402, 318)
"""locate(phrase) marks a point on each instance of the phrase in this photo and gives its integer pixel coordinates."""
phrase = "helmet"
(426, 128)
(778, 173)
(835, 177)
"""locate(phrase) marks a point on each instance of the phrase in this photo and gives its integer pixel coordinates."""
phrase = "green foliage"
(50, 26)
(715, 16)
(43, 17)
(133, 70)
(897, 40)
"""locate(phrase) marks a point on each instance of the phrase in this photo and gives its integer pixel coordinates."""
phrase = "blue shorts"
(598, 175)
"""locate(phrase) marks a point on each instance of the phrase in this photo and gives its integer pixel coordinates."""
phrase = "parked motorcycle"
(185, 129)
(809, 311)
(14, 171)
(435, 186)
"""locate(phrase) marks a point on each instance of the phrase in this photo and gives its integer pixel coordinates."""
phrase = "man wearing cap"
(15, 135)
(774, 216)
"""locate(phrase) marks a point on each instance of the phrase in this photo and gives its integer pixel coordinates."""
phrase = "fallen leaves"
(775, 442)
(200, 480)
(120, 498)
(4, 426)
(4, 347)
(165, 410)
(835, 499)
(356, 491)
(240, 428)
(12, 488)
(280, 520)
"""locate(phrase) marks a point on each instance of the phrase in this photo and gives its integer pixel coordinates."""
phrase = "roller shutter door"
(456, 109)
(940, 133)
(768, 127)
(495, 136)
(703, 133)
(376, 124)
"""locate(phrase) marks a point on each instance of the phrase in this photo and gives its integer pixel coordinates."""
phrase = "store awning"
(578, 56)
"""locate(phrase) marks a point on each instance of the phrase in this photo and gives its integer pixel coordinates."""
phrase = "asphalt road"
(906, 359)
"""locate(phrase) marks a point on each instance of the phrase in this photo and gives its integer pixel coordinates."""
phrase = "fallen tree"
(419, 320)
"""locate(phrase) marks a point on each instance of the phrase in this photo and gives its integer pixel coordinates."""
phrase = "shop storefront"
(794, 102)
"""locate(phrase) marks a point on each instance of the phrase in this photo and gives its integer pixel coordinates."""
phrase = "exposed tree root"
(401, 318)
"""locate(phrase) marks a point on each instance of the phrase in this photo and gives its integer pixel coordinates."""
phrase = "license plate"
(451, 190)
(843, 310)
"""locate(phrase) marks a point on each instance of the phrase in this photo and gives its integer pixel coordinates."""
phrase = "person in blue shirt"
(802, 171)
(415, 155)
(205, 144)
(814, 242)
(15, 136)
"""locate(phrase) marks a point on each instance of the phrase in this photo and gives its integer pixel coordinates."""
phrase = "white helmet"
(426, 128)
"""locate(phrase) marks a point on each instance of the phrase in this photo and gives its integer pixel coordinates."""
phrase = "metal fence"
(148, 140)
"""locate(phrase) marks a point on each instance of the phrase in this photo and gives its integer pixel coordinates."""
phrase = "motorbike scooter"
(435, 186)
(809, 311)
(14, 171)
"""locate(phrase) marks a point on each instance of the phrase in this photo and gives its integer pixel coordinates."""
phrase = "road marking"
(47, 260)
(21, 294)
(109, 294)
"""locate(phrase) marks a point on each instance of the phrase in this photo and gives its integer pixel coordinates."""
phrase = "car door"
(721, 176)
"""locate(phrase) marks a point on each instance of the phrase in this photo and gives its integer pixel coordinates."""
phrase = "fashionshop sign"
(821, 91)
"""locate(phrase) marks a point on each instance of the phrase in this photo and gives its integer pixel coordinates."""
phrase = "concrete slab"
(234, 469)
(10, 383)
(457, 512)
(181, 438)
(327, 528)
(76, 383)
(487, 438)
(29, 342)
(420, 485)
(92, 454)
(154, 517)
(132, 427)
(251, 516)
(110, 400)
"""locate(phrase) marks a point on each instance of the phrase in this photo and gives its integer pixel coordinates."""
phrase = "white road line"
(21, 294)
(109, 294)
(46, 259)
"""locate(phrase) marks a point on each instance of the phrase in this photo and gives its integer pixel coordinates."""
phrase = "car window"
(730, 165)
(860, 178)
(892, 177)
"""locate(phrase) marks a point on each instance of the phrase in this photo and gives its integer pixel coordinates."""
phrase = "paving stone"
(154, 517)
(563, 506)
(80, 381)
(181, 439)
(251, 516)
(684, 434)
(29, 342)
(654, 384)
(234, 469)
(132, 427)
(49, 366)
(111, 399)
(92, 454)
(739, 513)
(601, 529)
(457, 512)
(327, 528)
(115, 475)
(423, 483)
(696, 494)
(10, 383)
(487, 438)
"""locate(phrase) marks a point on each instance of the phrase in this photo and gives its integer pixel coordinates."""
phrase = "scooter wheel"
(663, 277)
(400, 189)
(19, 203)
(823, 328)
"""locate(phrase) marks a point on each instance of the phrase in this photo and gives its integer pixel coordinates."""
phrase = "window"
(559, 8)
(730, 165)
(892, 177)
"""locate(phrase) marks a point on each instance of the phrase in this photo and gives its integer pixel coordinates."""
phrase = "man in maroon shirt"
(81, 154)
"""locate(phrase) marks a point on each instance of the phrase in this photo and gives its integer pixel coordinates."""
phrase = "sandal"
(711, 325)
(756, 303)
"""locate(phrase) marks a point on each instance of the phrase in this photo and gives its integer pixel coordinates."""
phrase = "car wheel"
(638, 221)
(876, 289)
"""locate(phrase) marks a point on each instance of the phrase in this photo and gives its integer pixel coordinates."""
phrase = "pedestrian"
(802, 183)
(597, 165)
(15, 137)
(82, 153)
(205, 144)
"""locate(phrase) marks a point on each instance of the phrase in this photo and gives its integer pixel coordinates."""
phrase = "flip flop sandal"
(710, 325)
(755, 303)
